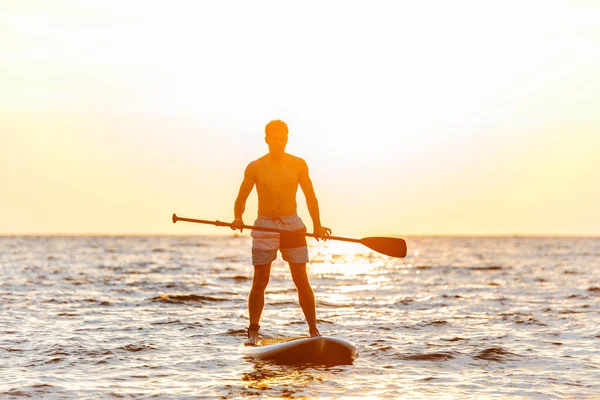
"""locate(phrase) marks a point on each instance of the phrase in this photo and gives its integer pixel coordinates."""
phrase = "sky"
(436, 118)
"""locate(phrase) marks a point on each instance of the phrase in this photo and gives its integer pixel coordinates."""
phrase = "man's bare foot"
(252, 339)
(252, 335)
(314, 332)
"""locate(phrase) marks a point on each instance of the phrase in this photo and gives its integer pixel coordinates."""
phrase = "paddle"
(393, 247)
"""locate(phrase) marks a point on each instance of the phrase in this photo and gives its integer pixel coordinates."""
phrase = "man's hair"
(275, 126)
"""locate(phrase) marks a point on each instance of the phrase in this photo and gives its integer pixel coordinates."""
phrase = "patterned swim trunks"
(292, 246)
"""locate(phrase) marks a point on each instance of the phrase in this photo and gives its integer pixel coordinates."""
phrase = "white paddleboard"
(297, 350)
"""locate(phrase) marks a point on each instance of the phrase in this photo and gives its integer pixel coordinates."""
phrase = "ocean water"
(162, 317)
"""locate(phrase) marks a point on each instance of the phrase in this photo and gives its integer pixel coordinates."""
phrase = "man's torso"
(277, 184)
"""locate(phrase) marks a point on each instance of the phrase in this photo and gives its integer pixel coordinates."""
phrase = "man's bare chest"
(278, 178)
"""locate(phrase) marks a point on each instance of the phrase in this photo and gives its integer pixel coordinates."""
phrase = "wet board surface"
(298, 350)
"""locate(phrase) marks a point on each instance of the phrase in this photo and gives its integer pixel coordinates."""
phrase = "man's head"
(276, 136)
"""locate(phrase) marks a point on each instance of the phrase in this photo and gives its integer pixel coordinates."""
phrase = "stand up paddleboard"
(299, 350)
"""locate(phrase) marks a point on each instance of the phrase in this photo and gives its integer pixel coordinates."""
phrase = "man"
(277, 176)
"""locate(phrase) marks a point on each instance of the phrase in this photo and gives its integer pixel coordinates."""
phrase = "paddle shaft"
(258, 228)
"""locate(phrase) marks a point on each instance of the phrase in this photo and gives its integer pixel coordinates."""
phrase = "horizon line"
(531, 235)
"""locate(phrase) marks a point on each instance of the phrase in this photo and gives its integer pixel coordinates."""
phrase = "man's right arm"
(240, 202)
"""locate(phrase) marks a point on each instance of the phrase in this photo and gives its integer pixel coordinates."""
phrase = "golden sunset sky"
(461, 117)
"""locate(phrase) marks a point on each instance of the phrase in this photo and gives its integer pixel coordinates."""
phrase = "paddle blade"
(393, 247)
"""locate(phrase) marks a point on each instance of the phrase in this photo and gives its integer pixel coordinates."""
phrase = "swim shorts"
(292, 246)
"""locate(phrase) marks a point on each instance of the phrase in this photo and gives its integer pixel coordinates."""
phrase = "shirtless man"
(277, 176)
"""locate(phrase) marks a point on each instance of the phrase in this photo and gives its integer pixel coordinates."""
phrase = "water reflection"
(287, 379)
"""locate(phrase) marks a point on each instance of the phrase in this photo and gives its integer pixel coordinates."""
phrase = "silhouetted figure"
(277, 176)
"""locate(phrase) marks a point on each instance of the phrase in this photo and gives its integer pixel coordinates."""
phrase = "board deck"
(298, 350)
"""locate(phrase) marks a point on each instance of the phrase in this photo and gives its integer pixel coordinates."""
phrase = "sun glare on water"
(342, 258)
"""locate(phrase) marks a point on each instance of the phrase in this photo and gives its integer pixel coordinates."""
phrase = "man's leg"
(256, 298)
(306, 296)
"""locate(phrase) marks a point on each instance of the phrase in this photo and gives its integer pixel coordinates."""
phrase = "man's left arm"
(312, 202)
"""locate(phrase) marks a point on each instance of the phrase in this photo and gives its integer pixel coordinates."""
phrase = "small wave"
(169, 322)
(98, 302)
(323, 321)
(522, 318)
(226, 258)
(158, 270)
(139, 264)
(185, 298)
(29, 391)
(530, 321)
(134, 348)
(453, 296)
(236, 332)
(486, 268)
(283, 291)
(433, 323)
(319, 321)
(222, 292)
(497, 354)
(42, 386)
(504, 315)
(57, 350)
(283, 303)
(454, 339)
(12, 350)
(323, 303)
(114, 268)
(570, 272)
(441, 356)
(238, 278)
(196, 325)
(55, 301)
(98, 353)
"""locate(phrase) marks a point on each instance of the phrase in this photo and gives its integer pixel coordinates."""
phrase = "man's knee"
(261, 277)
(260, 284)
(299, 276)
